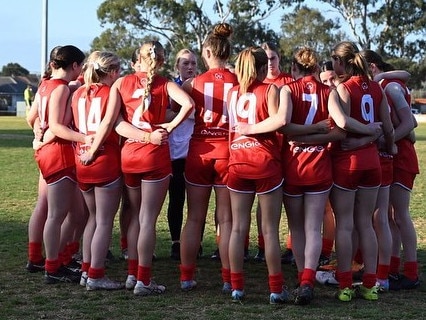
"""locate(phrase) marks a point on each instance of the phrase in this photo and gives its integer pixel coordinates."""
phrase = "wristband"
(147, 137)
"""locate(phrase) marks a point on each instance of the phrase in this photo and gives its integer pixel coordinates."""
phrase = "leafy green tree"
(395, 27)
(401, 20)
(320, 33)
(356, 14)
(14, 69)
(182, 24)
(417, 70)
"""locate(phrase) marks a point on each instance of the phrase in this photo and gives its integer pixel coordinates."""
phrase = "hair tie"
(152, 52)
(96, 65)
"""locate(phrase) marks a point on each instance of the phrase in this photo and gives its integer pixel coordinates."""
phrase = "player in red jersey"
(208, 154)
(124, 215)
(275, 75)
(307, 168)
(38, 217)
(143, 98)
(254, 168)
(303, 111)
(73, 226)
(279, 78)
(98, 168)
(58, 170)
(405, 169)
(356, 173)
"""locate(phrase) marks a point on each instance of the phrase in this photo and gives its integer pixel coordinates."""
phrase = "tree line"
(393, 28)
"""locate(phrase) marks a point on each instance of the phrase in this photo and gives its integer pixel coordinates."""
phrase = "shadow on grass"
(25, 296)
(16, 139)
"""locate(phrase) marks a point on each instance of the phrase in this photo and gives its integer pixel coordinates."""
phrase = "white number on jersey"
(243, 107)
(313, 99)
(367, 108)
(89, 122)
(137, 115)
(208, 102)
(42, 106)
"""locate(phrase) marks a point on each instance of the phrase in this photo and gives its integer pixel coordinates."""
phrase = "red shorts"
(133, 180)
(404, 178)
(89, 186)
(64, 173)
(206, 172)
(259, 186)
(300, 190)
(354, 179)
(386, 163)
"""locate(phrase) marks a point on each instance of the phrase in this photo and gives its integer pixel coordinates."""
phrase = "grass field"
(25, 296)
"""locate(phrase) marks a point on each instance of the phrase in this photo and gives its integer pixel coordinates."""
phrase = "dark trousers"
(176, 199)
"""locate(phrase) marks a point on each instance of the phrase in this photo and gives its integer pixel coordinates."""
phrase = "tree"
(182, 24)
(179, 24)
(401, 19)
(388, 25)
(14, 69)
(417, 70)
(394, 28)
(320, 33)
(356, 15)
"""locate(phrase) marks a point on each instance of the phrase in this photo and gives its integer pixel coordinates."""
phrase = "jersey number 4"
(89, 120)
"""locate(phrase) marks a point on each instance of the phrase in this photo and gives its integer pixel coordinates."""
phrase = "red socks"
(237, 281)
(369, 280)
(383, 271)
(345, 279)
(187, 272)
(96, 273)
(410, 270)
(144, 275)
(276, 282)
(226, 275)
(308, 277)
(35, 250)
(132, 267)
(85, 266)
(51, 266)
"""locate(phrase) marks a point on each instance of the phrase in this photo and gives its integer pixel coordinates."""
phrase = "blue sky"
(70, 22)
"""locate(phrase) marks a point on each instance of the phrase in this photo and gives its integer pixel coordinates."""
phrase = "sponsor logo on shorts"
(214, 132)
(244, 142)
(308, 149)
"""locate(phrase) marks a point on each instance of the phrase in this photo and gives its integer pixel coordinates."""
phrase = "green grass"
(25, 296)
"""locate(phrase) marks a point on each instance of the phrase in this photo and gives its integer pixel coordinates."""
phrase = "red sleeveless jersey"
(145, 114)
(282, 79)
(210, 91)
(307, 164)
(58, 154)
(88, 108)
(255, 156)
(406, 158)
(366, 97)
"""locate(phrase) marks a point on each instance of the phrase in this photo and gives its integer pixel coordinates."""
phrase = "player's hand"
(159, 136)
(88, 139)
(375, 129)
(244, 128)
(323, 126)
(86, 158)
(37, 144)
